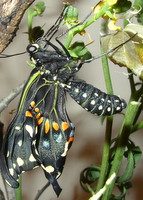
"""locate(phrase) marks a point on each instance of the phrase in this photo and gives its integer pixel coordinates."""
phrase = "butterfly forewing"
(41, 132)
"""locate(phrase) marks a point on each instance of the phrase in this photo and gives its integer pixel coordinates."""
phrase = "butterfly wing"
(55, 135)
(16, 149)
(40, 134)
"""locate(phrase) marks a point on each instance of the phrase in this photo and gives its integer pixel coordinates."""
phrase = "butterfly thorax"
(55, 66)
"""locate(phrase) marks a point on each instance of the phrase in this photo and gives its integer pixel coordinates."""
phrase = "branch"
(5, 101)
(10, 16)
(40, 192)
(1, 195)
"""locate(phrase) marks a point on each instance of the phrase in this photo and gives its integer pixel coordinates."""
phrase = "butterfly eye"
(32, 48)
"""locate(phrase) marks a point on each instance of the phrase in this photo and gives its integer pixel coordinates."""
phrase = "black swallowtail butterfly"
(41, 133)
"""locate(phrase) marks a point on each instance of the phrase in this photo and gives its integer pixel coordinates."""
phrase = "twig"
(41, 191)
(1, 195)
(5, 101)
(10, 192)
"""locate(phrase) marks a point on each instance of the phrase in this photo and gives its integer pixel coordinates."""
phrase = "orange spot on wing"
(36, 109)
(65, 126)
(28, 114)
(32, 104)
(38, 115)
(55, 126)
(47, 126)
(40, 120)
(71, 139)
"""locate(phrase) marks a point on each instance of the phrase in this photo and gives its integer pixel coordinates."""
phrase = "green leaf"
(79, 50)
(128, 170)
(71, 16)
(133, 154)
(122, 6)
(36, 33)
(138, 4)
(39, 8)
(137, 154)
(135, 30)
(89, 176)
(126, 55)
(123, 189)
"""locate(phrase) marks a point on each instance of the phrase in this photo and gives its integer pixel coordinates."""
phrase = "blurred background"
(89, 135)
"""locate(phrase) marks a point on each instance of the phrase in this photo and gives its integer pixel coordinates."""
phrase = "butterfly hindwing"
(55, 134)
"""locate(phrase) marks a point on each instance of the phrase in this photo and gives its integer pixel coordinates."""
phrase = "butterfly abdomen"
(94, 100)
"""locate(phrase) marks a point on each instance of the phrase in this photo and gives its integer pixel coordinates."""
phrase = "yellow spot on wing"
(32, 104)
(36, 109)
(40, 121)
(49, 169)
(65, 126)
(47, 126)
(55, 126)
(70, 139)
(28, 114)
(38, 115)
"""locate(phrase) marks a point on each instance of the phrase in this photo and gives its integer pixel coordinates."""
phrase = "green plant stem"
(80, 28)
(136, 96)
(30, 21)
(121, 144)
(137, 127)
(106, 72)
(106, 151)
(30, 18)
(132, 83)
(109, 122)
(18, 191)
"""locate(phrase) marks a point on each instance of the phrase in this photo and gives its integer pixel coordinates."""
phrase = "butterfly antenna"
(2, 55)
(80, 23)
(51, 32)
(110, 51)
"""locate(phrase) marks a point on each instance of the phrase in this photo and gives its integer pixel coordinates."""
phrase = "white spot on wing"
(108, 109)
(17, 128)
(14, 165)
(11, 170)
(117, 100)
(49, 169)
(20, 143)
(96, 94)
(7, 182)
(100, 107)
(84, 95)
(118, 108)
(31, 158)
(65, 150)
(7, 154)
(92, 102)
(20, 162)
(76, 90)
(29, 130)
